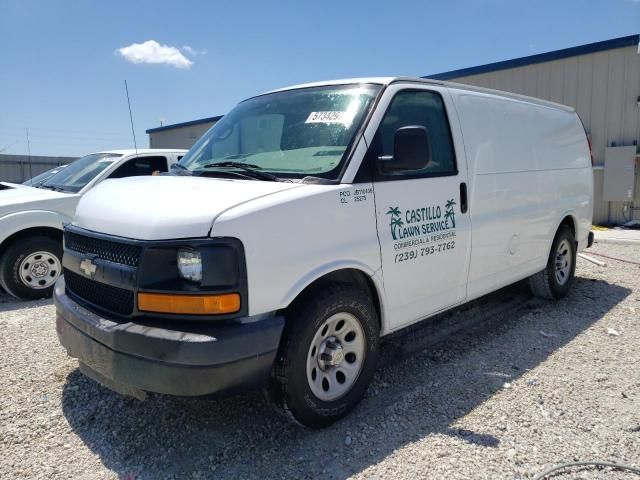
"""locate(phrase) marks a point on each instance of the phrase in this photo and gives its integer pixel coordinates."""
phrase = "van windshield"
(290, 134)
(74, 177)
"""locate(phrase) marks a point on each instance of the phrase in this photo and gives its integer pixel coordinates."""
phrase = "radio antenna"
(133, 131)
(29, 152)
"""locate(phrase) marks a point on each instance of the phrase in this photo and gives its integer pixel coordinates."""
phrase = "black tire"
(289, 389)
(545, 284)
(14, 256)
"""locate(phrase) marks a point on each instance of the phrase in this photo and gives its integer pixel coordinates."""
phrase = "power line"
(77, 143)
(76, 137)
(32, 129)
(9, 146)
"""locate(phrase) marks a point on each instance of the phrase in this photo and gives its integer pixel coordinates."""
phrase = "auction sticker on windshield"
(330, 117)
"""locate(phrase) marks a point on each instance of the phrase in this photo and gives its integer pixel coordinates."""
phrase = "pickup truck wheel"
(327, 355)
(555, 280)
(30, 267)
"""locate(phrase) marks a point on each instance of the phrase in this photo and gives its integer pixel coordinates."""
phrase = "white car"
(31, 218)
(312, 221)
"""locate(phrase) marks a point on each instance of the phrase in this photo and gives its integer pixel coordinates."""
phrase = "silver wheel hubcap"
(335, 357)
(39, 270)
(563, 262)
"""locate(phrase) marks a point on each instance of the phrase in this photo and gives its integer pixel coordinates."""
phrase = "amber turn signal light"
(189, 304)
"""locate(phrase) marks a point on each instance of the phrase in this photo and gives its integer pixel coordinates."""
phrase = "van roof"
(427, 81)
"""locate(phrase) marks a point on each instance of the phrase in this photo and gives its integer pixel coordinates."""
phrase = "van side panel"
(529, 167)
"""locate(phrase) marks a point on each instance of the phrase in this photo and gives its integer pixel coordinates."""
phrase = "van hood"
(23, 198)
(166, 207)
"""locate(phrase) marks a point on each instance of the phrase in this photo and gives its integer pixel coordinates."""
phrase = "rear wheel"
(555, 280)
(30, 267)
(327, 355)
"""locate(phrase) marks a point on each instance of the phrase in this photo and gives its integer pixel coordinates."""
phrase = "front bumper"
(168, 357)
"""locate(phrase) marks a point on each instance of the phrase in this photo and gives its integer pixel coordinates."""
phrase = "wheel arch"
(33, 222)
(359, 276)
(569, 219)
(44, 231)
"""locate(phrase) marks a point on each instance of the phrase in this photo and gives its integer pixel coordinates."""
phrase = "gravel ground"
(537, 384)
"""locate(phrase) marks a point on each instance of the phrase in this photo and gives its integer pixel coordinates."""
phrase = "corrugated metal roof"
(539, 58)
(185, 124)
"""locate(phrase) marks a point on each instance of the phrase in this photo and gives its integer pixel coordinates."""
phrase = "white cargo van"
(311, 221)
(31, 217)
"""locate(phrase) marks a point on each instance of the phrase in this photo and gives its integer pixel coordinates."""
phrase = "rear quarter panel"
(529, 167)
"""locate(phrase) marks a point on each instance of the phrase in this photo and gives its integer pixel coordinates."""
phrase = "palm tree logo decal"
(449, 213)
(396, 221)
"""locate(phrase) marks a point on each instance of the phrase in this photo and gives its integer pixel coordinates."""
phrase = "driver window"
(421, 108)
(141, 166)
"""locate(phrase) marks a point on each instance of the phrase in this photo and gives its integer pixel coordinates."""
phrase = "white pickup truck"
(31, 218)
(308, 223)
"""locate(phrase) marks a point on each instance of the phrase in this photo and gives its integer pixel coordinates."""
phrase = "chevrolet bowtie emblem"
(88, 267)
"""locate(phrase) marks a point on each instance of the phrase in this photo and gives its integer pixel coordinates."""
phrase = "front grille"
(122, 253)
(112, 299)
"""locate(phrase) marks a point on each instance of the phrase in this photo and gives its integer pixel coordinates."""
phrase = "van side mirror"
(411, 149)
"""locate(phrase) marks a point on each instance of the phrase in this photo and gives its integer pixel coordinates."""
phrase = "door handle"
(464, 205)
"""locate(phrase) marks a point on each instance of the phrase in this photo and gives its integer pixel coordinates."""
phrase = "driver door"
(423, 225)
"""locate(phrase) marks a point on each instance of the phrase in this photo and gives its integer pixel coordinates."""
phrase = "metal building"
(20, 168)
(180, 135)
(602, 82)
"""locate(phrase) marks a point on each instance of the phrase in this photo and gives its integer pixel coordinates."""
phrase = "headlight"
(190, 264)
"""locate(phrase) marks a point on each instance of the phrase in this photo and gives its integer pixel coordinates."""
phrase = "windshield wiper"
(49, 186)
(177, 167)
(55, 188)
(250, 168)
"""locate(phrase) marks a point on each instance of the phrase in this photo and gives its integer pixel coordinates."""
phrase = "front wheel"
(327, 355)
(555, 280)
(30, 267)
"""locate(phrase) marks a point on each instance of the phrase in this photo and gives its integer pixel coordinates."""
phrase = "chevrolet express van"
(32, 214)
(310, 222)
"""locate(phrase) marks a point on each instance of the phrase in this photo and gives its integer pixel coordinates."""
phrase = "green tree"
(395, 223)
(449, 213)
(394, 211)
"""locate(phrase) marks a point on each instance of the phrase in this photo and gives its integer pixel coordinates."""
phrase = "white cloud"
(152, 52)
(192, 51)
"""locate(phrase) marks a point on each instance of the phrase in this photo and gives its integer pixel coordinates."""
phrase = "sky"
(63, 63)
